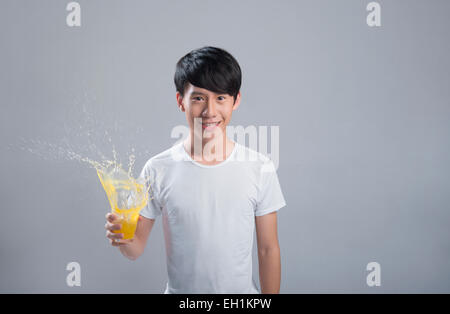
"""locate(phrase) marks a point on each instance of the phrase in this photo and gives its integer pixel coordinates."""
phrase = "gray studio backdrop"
(363, 114)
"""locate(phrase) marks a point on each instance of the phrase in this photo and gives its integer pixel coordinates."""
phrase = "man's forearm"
(270, 270)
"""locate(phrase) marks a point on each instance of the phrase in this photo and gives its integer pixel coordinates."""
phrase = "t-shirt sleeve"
(270, 196)
(153, 207)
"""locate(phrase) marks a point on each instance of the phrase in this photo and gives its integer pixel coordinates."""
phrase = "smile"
(210, 126)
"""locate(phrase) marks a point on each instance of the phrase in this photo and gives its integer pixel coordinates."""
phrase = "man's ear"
(237, 102)
(180, 101)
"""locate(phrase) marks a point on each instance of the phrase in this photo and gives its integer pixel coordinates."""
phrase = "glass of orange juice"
(126, 196)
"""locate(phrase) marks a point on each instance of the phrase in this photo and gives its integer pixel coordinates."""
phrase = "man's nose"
(210, 110)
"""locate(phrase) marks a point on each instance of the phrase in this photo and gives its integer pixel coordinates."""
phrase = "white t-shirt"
(208, 214)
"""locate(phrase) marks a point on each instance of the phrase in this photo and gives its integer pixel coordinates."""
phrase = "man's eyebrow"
(197, 93)
(200, 93)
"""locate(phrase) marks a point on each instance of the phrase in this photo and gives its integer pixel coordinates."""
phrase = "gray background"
(363, 115)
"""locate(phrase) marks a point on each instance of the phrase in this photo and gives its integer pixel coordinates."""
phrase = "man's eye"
(221, 98)
(197, 98)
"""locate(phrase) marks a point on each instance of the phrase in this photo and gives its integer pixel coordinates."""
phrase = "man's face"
(212, 110)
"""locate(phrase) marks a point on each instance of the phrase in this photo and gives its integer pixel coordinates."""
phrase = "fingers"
(115, 239)
(111, 227)
(110, 217)
(120, 242)
(114, 236)
(111, 222)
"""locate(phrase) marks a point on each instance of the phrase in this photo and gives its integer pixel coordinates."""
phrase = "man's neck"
(208, 151)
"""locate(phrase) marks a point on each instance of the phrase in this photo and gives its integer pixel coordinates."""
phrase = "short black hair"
(210, 68)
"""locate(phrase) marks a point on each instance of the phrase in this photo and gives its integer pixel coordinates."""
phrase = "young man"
(209, 191)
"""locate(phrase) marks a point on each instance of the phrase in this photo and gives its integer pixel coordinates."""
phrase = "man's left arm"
(268, 253)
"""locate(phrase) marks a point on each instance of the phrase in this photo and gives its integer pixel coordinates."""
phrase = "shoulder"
(164, 159)
(253, 159)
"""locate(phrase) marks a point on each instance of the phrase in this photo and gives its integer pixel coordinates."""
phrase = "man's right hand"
(144, 226)
(112, 224)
